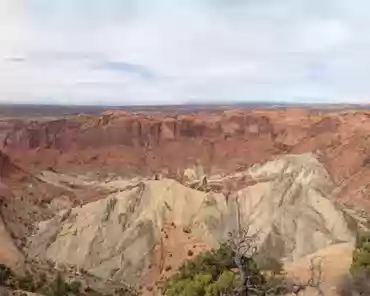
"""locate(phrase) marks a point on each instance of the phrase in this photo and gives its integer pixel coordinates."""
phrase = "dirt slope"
(9, 253)
(117, 237)
(23, 201)
(335, 263)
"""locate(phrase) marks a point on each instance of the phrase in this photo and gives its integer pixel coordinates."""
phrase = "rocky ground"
(129, 196)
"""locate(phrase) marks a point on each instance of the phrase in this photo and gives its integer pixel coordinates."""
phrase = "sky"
(130, 52)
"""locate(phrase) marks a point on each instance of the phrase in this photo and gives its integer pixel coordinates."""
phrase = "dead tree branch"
(244, 247)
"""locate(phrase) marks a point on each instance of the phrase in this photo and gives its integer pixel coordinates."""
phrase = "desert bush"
(58, 287)
(5, 274)
(200, 274)
(270, 264)
(49, 285)
(358, 282)
(75, 287)
(355, 285)
(233, 270)
(226, 284)
(215, 272)
(361, 255)
(212, 262)
(26, 283)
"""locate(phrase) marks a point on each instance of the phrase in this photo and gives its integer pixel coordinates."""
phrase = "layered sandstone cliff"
(150, 143)
(144, 143)
(139, 130)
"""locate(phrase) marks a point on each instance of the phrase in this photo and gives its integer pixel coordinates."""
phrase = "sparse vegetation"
(361, 255)
(26, 283)
(357, 285)
(75, 287)
(50, 285)
(5, 274)
(359, 281)
(234, 270)
(216, 273)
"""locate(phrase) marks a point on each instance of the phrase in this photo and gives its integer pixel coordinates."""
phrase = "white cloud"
(237, 50)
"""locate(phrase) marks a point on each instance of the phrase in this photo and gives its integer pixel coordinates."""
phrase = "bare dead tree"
(244, 247)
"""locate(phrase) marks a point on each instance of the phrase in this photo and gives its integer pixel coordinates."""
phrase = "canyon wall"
(150, 143)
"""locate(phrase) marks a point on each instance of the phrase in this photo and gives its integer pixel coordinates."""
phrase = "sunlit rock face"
(289, 206)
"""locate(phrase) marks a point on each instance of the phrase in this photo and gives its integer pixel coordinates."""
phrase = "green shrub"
(355, 285)
(225, 284)
(361, 255)
(26, 283)
(212, 262)
(75, 287)
(190, 286)
(5, 274)
(358, 283)
(57, 288)
(215, 273)
(270, 264)
(200, 275)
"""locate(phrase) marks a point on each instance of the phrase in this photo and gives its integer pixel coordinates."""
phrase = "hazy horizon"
(247, 104)
(141, 52)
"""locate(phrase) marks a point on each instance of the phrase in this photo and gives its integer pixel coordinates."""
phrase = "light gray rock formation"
(115, 237)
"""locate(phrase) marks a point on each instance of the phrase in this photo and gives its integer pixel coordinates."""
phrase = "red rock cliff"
(142, 140)
(134, 130)
(6, 166)
(145, 143)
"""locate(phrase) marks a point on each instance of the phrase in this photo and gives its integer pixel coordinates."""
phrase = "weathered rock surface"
(293, 212)
(148, 143)
(21, 195)
(10, 255)
(143, 143)
(117, 237)
(6, 166)
(138, 130)
(335, 262)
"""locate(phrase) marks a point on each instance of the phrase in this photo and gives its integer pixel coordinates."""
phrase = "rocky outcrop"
(24, 199)
(289, 207)
(293, 212)
(10, 255)
(143, 143)
(139, 130)
(116, 237)
(6, 165)
(152, 143)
